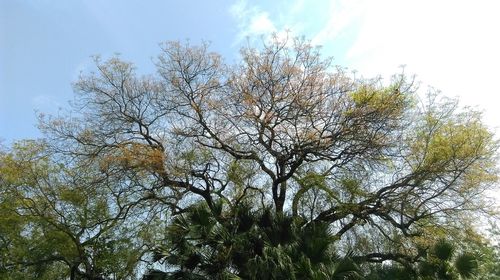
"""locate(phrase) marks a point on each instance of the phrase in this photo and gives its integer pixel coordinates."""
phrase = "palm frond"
(443, 250)
(466, 265)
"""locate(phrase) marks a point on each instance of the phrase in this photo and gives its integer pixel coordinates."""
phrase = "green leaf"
(443, 250)
(466, 265)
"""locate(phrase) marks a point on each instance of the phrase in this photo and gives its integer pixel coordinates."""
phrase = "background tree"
(63, 221)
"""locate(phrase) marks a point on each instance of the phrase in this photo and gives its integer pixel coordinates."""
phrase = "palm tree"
(441, 262)
(444, 262)
(242, 243)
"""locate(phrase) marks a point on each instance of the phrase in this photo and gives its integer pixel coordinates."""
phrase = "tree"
(442, 261)
(383, 171)
(61, 221)
(201, 244)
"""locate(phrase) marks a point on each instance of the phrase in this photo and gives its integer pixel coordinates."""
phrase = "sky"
(452, 46)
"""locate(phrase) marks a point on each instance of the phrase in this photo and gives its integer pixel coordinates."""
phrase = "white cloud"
(297, 7)
(237, 10)
(342, 14)
(251, 21)
(261, 24)
(451, 45)
(254, 22)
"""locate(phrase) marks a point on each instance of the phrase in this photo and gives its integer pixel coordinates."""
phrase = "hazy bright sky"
(453, 46)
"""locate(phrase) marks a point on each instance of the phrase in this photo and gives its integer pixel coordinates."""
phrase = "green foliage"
(251, 244)
(55, 218)
(466, 264)
(443, 250)
(443, 262)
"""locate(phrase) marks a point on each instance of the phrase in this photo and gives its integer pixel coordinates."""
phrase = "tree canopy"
(280, 166)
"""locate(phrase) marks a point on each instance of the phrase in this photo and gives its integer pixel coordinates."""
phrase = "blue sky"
(45, 44)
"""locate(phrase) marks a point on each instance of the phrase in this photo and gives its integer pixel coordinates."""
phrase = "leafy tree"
(487, 249)
(60, 222)
(365, 168)
(490, 266)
